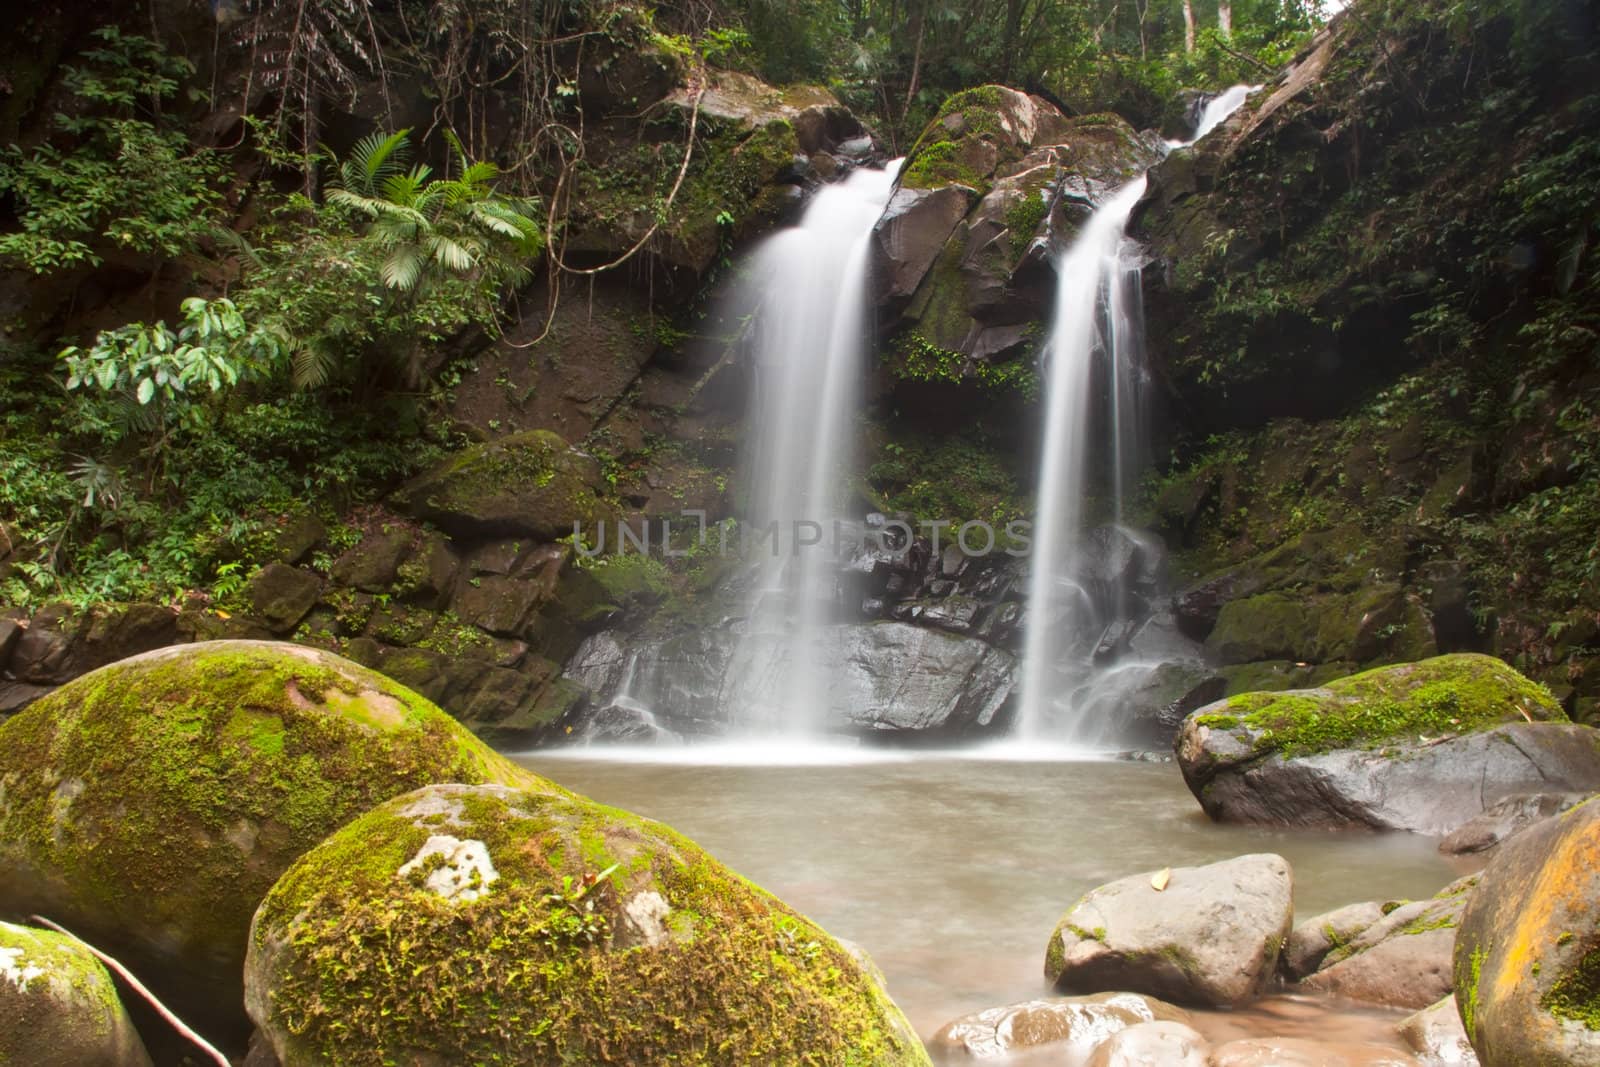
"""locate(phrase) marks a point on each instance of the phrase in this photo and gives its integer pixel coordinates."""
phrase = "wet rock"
(58, 1006)
(678, 954)
(1167, 1044)
(1311, 941)
(150, 805)
(297, 536)
(1297, 1052)
(912, 232)
(1417, 747)
(1403, 959)
(1527, 954)
(525, 485)
(1212, 936)
(1506, 817)
(1435, 1034)
(1076, 1024)
(282, 595)
(10, 631)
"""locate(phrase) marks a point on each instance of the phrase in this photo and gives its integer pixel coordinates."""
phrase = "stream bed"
(951, 870)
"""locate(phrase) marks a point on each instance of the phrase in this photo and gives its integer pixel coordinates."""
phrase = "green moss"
(1467, 997)
(1220, 722)
(1576, 996)
(542, 968)
(1452, 694)
(1426, 922)
(168, 792)
(1023, 218)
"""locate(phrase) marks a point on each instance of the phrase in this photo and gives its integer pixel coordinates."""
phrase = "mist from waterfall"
(1063, 695)
(810, 347)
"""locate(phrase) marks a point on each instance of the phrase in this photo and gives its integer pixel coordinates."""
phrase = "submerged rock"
(1169, 1044)
(1403, 959)
(1297, 1052)
(1527, 954)
(58, 1006)
(1210, 936)
(1421, 746)
(1435, 1034)
(150, 805)
(1077, 1024)
(558, 931)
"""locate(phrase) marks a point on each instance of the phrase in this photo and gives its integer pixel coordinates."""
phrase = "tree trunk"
(1188, 25)
(1225, 17)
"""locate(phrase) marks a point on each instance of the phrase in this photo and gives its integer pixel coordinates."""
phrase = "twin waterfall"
(802, 663)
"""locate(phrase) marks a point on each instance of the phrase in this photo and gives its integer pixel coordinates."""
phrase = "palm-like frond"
(373, 160)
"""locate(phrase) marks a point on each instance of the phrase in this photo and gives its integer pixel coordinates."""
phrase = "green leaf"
(147, 391)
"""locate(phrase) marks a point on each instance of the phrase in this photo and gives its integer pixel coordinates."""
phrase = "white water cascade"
(810, 348)
(1097, 314)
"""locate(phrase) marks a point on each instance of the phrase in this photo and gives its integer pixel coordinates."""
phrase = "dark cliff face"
(1376, 282)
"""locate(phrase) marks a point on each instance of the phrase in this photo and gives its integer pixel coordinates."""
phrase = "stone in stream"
(1211, 937)
(149, 806)
(58, 1006)
(1157, 1044)
(1421, 746)
(1527, 954)
(1404, 959)
(1506, 817)
(483, 923)
(1311, 941)
(1297, 1052)
(1073, 1026)
(1435, 1034)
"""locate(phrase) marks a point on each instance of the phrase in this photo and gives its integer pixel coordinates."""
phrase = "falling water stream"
(810, 355)
(1096, 316)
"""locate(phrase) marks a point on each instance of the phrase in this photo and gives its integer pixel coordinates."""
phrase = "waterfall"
(810, 347)
(1097, 314)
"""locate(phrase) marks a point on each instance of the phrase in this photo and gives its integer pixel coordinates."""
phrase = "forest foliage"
(326, 296)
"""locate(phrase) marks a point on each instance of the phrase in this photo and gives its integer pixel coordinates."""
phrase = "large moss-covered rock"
(151, 804)
(58, 1007)
(1420, 746)
(525, 485)
(465, 924)
(1527, 954)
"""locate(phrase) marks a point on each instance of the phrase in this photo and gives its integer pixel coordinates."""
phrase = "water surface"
(951, 871)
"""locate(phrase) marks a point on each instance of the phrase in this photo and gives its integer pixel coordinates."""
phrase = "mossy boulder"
(1403, 959)
(281, 595)
(484, 924)
(1420, 746)
(525, 485)
(1196, 935)
(58, 1006)
(1527, 954)
(151, 804)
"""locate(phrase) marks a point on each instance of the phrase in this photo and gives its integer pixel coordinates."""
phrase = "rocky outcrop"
(58, 1006)
(997, 181)
(526, 485)
(1421, 747)
(1199, 935)
(623, 939)
(886, 678)
(1072, 1026)
(1403, 960)
(150, 805)
(1527, 954)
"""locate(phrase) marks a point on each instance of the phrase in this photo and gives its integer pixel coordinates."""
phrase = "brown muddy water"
(951, 870)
